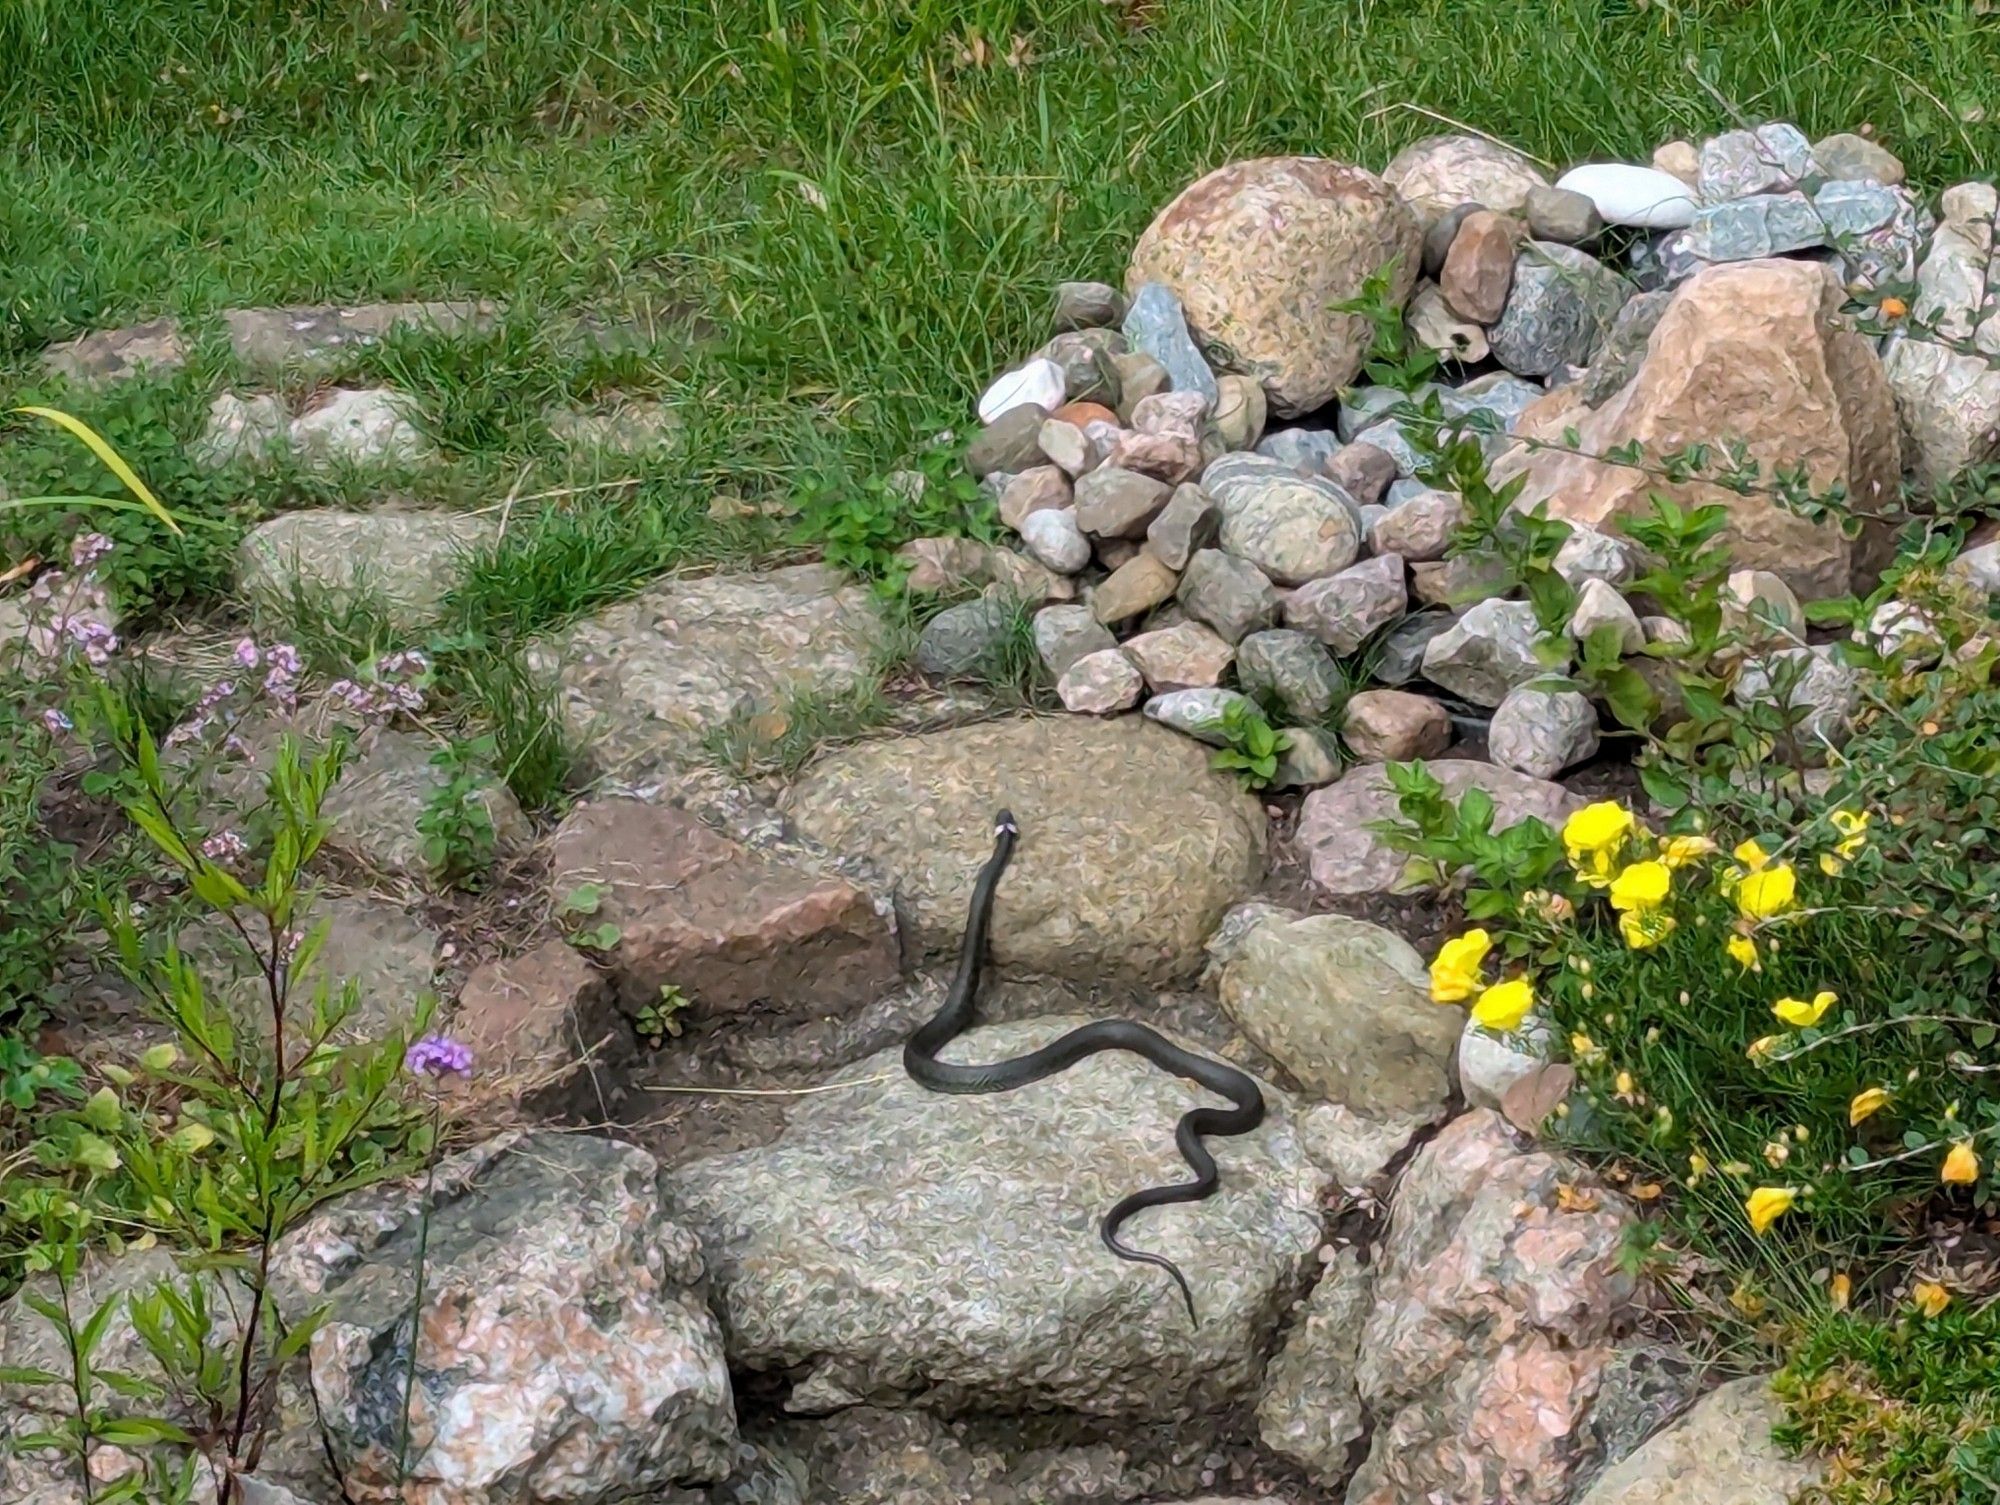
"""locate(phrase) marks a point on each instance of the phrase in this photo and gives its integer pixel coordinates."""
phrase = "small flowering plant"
(1749, 1023)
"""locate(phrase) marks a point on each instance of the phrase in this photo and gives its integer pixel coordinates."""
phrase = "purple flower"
(437, 1056)
(224, 846)
(284, 658)
(87, 548)
(409, 661)
(246, 654)
(56, 721)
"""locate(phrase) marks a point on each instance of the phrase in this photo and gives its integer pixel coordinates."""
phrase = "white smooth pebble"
(1040, 382)
(1642, 197)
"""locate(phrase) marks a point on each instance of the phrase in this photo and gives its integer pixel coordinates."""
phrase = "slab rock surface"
(1497, 1297)
(1260, 251)
(1756, 352)
(898, 1244)
(1131, 847)
(647, 679)
(567, 1352)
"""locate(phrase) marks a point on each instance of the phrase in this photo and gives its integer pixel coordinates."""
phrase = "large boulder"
(1755, 352)
(646, 680)
(901, 1245)
(1261, 251)
(1348, 856)
(1345, 1007)
(568, 1353)
(1497, 1293)
(1131, 848)
(1720, 1453)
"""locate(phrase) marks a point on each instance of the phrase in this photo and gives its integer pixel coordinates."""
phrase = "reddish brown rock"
(1394, 726)
(1036, 489)
(1499, 1293)
(1080, 413)
(1479, 269)
(1260, 252)
(527, 1018)
(1758, 353)
(728, 926)
(1362, 471)
(1186, 656)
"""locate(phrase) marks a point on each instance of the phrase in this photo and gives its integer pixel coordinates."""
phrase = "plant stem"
(76, 1385)
(417, 1296)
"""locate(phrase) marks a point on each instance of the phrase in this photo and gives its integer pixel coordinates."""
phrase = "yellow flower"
(1643, 885)
(1750, 855)
(1503, 1006)
(1598, 827)
(1853, 828)
(1624, 1084)
(1644, 928)
(1679, 851)
(1761, 1048)
(1767, 891)
(1930, 1297)
(1961, 1166)
(1742, 950)
(1767, 1204)
(1839, 1291)
(1804, 1015)
(1867, 1103)
(1698, 1166)
(1830, 864)
(1455, 973)
(1582, 1047)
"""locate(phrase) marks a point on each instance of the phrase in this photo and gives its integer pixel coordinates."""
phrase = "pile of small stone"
(1214, 511)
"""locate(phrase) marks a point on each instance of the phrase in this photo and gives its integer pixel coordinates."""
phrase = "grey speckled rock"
(961, 639)
(1086, 305)
(646, 679)
(1617, 359)
(581, 1360)
(1486, 652)
(1345, 610)
(279, 339)
(1540, 730)
(1064, 634)
(1419, 529)
(1120, 874)
(115, 354)
(1817, 689)
(405, 560)
(1291, 668)
(1196, 713)
(1559, 312)
(1309, 759)
(383, 794)
(1231, 595)
(1306, 451)
(1156, 326)
(1309, 1411)
(1761, 225)
(1720, 1453)
(1190, 521)
(1770, 159)
(1949, 404)
(1401, 658)
(1348, 857)
(1101, 684)
(1345, 1007)
(373, 426)
(241, 431)
(903, 1245)
(1294, 529)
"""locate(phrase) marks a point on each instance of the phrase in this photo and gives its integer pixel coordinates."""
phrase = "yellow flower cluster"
(1457, 973)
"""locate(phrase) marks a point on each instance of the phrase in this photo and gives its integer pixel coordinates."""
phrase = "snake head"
(1003, 824)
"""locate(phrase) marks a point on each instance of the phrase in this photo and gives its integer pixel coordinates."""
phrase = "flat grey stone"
(1559, 311)
(116, 354)
(310, 338)
(407, 561)
(1155, 325)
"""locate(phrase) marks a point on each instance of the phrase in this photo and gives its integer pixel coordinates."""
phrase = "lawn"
(833, 218)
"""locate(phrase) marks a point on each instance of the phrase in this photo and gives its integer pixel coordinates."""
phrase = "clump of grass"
(335, 630)
(1906, 1410)
(780, 742)
(522, 708)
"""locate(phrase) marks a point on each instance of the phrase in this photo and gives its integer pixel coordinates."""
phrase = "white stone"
(1040, 382)
(1977, 569)
(365, 427)
(1490, 649)
(1599, 605)
(1896, 628)
(1100, 684)
(1588, 554)
(1643, 197)
(1489, 1064)
(1055, 540)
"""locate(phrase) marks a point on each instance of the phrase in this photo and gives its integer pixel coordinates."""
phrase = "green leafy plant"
(860, 525)
(460, 843)
(657, 1020)
(1251, 745)
(1394, 358)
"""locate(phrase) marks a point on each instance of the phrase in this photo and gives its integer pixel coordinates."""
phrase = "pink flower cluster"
(397, 686)
(70, 610)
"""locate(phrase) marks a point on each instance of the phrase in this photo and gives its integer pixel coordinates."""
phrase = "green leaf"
(1630, 698)
(113, 461)
(103, 1112)
(94, 1154)
(11, 1374)
(140, 1431)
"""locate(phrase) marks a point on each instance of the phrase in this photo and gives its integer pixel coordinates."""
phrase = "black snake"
(920, 1059)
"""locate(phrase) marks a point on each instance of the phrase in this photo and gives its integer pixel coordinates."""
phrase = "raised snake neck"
(920, 1059)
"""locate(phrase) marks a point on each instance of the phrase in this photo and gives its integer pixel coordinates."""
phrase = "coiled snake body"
(920, 1059)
